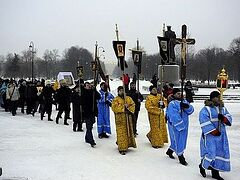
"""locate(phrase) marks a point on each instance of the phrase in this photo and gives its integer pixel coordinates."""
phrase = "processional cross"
(184, 42)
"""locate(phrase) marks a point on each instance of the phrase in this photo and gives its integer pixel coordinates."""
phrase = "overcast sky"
(60, 24)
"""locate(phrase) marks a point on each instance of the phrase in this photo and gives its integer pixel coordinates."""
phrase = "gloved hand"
(184, 105)
(221, 117)
(216, 133)
(108, 103)
(106, 95)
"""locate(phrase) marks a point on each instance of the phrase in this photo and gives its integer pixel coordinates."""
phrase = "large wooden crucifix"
(184, 42)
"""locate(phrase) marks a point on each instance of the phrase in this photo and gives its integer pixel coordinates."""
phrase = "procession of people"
(167, 108)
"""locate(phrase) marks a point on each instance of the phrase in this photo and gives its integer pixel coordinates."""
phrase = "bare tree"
(50, 59)
(235, 55)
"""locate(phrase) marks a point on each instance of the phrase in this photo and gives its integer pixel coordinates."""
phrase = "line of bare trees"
(19, 65)
(203, 65)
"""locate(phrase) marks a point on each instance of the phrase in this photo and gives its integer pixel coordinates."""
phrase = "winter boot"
(74, 127)
(65, 122)
(182, 160)
(122, 152)
(41, 116)
(105, 135)
(100, 136)
(79, 127)
(57, 120)
(93, 144)
(170, 153)
(49, 117)
(215, 175)
(202, 170)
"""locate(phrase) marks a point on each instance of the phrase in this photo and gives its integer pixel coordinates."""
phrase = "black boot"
(57, 120)
(93, 144)
(49, 117)
(182, 160)
(65, 122)
(105, 135)
(41, 116)
(122, 152)
(202, 170)
(100, 136)
(215, 175)
(170, 153)
(74, 126)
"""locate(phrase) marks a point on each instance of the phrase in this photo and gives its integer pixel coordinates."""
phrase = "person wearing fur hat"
(158, 130)
(177, 114)
(214, 146)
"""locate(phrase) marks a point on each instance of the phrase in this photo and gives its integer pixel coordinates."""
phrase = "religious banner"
(119, 49)
(137, 59)
(164, 50)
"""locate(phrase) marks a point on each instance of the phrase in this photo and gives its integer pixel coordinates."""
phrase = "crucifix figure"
(184, 42)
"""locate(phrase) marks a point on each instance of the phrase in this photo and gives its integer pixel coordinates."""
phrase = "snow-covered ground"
(42, 150)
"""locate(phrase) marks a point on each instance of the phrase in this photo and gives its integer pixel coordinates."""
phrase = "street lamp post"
(31, 49)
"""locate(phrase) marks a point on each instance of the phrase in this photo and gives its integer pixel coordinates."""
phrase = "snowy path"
(42, 150)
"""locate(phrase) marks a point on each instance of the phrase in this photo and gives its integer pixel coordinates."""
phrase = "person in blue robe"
(214, 148)
(103, 120)
(178, 116)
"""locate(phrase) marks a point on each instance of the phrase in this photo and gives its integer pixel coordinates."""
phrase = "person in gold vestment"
(124, 112)
(158, 131)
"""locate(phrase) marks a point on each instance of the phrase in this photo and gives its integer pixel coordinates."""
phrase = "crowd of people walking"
(168, 115)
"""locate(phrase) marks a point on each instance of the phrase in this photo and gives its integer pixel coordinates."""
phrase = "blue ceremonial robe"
(103, 120)
(178, 125)
(214, 149)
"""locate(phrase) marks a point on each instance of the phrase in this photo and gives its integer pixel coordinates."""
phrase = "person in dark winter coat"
(189, 91)
(31, 96)
(47, 100)
(22, 98)
(137, 97)
(90, 110)
(77, 109)
(154, 80)
(63, 97)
